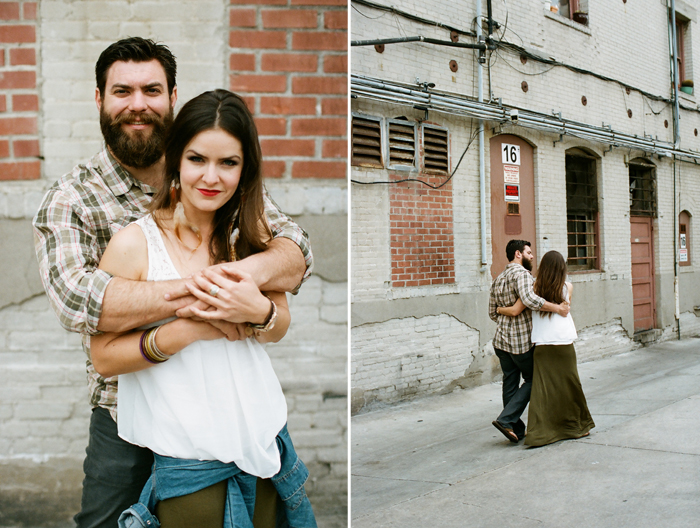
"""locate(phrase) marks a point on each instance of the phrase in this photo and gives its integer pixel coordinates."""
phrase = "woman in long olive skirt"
(558, 408)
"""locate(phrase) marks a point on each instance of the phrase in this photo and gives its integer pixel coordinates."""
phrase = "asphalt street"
(438, 461)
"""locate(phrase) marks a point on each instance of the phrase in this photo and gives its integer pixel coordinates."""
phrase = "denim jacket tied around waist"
(173, 477)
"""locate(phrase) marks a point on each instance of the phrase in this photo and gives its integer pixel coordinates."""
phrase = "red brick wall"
(422, 239)
(289, 59)
(19, 100)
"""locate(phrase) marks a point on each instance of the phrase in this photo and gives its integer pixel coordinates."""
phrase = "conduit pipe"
(394, 93)
(676, 144)
(419, 38)
(480, 125)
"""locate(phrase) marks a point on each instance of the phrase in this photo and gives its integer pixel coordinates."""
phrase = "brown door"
(512, 196)
(643, 285)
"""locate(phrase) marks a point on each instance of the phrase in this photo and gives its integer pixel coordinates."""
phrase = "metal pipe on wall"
(676, 144)
(385, 91)
(482, 169)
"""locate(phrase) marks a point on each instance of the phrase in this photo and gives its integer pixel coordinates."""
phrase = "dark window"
(366, 142)
(435, 146)
(582, 212)
(576, 10)
(642, 189)
(680, 39)
(402, 143)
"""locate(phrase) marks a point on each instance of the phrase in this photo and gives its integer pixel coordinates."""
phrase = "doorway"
(642, 213)
(512, 197)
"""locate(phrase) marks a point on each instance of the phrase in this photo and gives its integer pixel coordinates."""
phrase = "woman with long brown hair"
(211, 410)
(558, 408)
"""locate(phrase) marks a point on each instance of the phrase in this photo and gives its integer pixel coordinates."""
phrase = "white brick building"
(582, 99)
(48, 51)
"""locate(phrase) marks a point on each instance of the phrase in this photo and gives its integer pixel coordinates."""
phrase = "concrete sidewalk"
(439, 462)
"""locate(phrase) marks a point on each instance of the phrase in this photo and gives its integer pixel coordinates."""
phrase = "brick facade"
(19, 102)
(422, 242)
(290, 58)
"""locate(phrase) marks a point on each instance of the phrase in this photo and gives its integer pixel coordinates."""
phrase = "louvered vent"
(402, 144)
(435, 145)
(366, 142)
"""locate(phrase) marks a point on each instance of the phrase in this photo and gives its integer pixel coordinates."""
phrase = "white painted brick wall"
(405, 357)
(624, 41)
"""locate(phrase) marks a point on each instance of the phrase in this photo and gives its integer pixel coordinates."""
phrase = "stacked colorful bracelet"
(149, 349)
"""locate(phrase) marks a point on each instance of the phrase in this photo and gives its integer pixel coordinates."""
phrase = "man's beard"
(527, 264)
(137, 150)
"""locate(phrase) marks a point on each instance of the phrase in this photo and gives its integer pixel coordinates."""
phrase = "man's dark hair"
(135, 49)
(515, 245)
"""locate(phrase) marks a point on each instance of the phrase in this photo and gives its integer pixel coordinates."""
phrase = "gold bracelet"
(149, 348)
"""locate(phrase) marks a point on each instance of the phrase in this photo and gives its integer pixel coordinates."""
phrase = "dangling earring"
(179, 218)
(174, 188)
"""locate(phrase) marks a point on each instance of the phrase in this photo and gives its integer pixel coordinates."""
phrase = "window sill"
(688, 98)
(422, 291)
(586, 275)
(567, 22)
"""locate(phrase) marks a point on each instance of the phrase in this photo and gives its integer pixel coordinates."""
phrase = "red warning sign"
(512, 192)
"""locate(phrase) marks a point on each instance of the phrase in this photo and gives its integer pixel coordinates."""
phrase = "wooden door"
(643, 283)
(512, 197)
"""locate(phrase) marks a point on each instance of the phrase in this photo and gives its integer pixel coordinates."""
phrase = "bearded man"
(135, 95)
(512, 340)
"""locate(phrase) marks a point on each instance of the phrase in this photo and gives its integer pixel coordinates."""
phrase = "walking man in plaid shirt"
(135, 95)
(512, 340)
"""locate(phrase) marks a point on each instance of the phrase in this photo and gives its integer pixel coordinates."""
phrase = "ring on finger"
(214, 290)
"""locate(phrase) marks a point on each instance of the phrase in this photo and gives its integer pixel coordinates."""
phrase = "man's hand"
(233, 331)
(563, 308)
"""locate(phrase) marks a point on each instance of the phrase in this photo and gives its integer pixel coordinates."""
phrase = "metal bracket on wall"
(561, 138)
(608, 150)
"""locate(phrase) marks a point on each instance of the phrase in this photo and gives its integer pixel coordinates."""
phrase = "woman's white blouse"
(554, 330)
(214, 400)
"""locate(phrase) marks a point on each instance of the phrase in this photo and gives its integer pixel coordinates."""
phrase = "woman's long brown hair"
(245, 211)
(551, 276)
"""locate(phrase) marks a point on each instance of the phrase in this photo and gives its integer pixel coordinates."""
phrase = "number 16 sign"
(510, 154)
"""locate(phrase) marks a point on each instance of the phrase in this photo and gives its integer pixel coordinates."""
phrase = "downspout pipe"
(482, 169)
(676, 145)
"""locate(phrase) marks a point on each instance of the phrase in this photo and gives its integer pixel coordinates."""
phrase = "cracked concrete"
(438, 461)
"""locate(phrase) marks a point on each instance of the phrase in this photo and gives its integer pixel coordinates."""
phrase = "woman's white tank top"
(554, 330)
(214, 400)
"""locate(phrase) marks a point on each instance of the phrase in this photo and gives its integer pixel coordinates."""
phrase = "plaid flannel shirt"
(76, 220)
(513, 333)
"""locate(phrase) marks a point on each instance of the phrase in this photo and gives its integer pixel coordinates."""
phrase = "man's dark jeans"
(515, 396)
(115, 473)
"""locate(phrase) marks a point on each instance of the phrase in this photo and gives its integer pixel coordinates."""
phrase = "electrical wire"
(471, 140)
(646, 100)
(413, 17)
(367, 16)
(522, 72)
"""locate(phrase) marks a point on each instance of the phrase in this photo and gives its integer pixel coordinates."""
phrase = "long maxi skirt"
(558, 408)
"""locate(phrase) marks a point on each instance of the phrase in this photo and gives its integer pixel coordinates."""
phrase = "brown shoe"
(508, 433)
